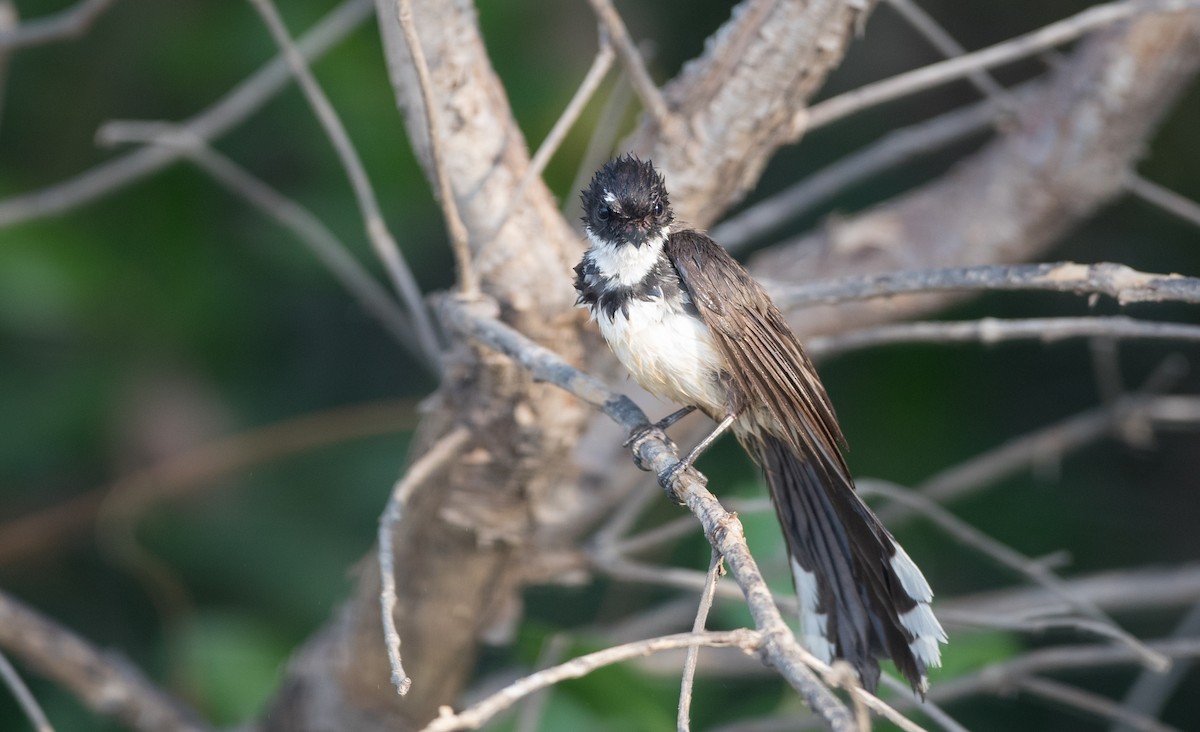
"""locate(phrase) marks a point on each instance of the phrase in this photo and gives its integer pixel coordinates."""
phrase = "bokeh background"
(170, 324)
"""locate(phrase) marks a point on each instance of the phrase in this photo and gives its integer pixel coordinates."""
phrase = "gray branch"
(105, 683)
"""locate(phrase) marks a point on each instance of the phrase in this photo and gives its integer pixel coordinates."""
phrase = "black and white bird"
(692, 326)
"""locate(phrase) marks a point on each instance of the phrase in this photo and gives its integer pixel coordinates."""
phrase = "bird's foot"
(640, 436)
(667, 477)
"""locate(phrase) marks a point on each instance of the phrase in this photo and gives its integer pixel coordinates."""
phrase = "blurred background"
(199, 427)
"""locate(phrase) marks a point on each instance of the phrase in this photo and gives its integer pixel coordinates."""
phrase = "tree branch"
(744, 98)
(376, 229)
(479, 713)
(993, 330)
(105, 683)
(1123, 284)
(1066, 154)
(25, 698)
(956, 68)
(230, 111)
(72, 22)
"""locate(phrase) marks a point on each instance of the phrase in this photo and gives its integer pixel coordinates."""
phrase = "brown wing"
(770, 367)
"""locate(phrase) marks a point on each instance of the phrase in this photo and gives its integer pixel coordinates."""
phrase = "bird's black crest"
(626, 201)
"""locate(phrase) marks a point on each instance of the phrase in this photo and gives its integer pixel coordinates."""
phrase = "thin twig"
(322, 242)
(468, 281)
(186, 472)
(602, 139)
(1013, 49)
(928, 707)
(1086, 626)
(591, 81)
(1144, 189)
(1118, 281)
(993, 330)
(1164, 198)
(434, 459)
(71, 22)
(627, 51)
(10, 18)
(480, 712)
(927, 26)
(535, 704)
(106, 684)
(683, 719)
(232, 109)
(1044, 444)
(1086, 701)
(893, 149)
(25, 698)
(1009, 557)
(1150, 693)
(377, 232)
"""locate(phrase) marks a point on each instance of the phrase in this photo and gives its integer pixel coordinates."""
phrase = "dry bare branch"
(105, 683)
(473, 718)
(1066, 152)
(683, 720)
(591, 81)
(1007, 556)
(183, 475)
(1168, 200)
(68, 23)
(231, 110)
(1117, 281)
(956, 68)
(1088, 702)
(743, 97)
(432, 461)
(631, 59)
(1150, 693)
(25, 698)
(893, 149)
(468, 282)
(377, 232)
(1049, 443)
(995, 330)
(322, 242)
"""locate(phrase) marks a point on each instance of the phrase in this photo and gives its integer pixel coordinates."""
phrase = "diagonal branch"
(468, 283)
(1065, 155)
(231, 110)
(69, 23)
(631, 59)
(744, 98)
(377, 232)
(107, 685)
(959, 67)
(479, 713)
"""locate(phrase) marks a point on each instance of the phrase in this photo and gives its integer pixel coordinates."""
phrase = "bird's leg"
(665, 477)
(658, 427)
(657, 430)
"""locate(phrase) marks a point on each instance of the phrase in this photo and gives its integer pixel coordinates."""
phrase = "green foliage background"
(170, 313)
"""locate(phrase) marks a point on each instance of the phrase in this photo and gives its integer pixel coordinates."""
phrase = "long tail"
(861, 597)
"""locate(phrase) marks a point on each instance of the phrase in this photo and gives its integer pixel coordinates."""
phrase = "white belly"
(669, 353)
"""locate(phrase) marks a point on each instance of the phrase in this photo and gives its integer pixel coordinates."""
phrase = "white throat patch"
(626, 263)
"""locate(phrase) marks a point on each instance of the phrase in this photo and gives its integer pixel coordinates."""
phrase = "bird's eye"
(658, 209)
(604, 212)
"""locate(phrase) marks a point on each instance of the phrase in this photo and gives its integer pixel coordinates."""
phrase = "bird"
(693, 327)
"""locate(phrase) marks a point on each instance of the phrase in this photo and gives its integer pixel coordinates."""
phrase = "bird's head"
(626, 203)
